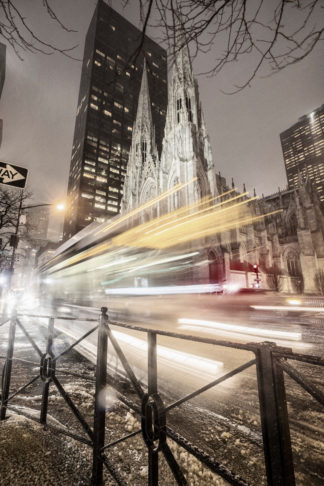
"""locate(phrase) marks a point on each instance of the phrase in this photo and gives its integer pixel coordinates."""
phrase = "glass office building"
(110, 82)
(303, 150)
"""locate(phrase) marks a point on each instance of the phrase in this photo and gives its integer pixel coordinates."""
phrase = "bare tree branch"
(276, 34)
(15, 29)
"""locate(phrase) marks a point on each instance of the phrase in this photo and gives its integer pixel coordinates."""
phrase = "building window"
(88, 176)
(188, 106)
(144, 149)
(179, 106)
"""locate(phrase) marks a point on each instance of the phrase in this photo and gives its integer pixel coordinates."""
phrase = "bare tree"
(277, 33)
(10, 201)
(22, 36)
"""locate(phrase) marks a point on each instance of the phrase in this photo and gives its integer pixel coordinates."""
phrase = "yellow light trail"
(138, 210)
(195, 225)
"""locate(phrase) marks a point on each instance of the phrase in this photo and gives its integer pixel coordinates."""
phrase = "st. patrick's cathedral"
(286, 246)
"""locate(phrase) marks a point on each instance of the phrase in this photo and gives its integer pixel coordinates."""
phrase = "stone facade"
(287, 244)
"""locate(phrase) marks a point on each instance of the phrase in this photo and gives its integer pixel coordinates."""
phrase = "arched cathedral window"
(293, 264)
(144, 151)
(188, 106)
(179, 106)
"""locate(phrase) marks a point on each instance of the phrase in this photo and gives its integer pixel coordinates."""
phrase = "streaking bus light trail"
(168, 290)
(193, 323)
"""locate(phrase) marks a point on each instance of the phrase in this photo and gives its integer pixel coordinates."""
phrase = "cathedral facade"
(283, 250)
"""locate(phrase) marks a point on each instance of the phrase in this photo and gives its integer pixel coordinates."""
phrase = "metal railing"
(271, 363)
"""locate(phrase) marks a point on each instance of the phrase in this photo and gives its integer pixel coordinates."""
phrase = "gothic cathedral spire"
(141, 178)
(186, 153)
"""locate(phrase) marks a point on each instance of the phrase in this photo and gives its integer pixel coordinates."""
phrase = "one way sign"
(12, 175)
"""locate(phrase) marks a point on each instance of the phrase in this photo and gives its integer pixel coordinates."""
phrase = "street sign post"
(12, 175)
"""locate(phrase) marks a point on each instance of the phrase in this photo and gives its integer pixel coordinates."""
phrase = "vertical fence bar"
(274, 418)
(6, 377)
(153, 470)
(45, 393)
(100, 410)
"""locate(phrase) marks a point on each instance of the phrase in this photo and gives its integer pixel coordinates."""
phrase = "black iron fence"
(271, 363)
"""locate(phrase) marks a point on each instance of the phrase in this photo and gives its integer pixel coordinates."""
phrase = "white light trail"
(173, 289)
(295, 336)
(188, 361)
(288, 308)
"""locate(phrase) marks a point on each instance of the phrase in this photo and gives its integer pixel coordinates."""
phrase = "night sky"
(40, 94)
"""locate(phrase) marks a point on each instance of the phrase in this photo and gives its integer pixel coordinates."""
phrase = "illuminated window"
(101, 179)
(89, 162)
(88, 176)
(100, 206)
(93, 106)
(112, 208)
(86, 195)
(113, 189)
(89, 169)
(118, 105)
(107, 113)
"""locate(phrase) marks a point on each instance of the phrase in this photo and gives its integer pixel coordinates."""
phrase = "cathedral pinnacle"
(143, 120)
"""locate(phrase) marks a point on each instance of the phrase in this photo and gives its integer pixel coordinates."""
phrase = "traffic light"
(256, 268)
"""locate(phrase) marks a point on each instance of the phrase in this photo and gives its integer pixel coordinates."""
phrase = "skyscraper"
(303, 150)
(37, 219)
(110, 82)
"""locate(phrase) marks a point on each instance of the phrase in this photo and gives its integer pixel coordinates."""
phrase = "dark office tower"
(303, 150)
(108, 97)
(2, 77)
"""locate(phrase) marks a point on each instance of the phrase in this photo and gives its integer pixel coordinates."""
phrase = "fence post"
(6, 377)
(46, 384)
(100, 406)
(153, 463)
(274, 418)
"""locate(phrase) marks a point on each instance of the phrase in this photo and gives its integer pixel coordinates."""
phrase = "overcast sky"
(39, 101)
